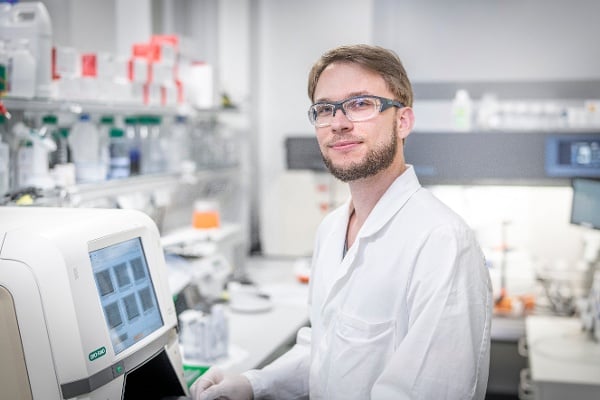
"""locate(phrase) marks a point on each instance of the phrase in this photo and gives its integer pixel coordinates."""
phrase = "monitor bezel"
(572, 219)
(119, 237)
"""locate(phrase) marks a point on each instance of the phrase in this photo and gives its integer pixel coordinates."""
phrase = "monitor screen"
(585, 209)
(573, 155)
(126, 292)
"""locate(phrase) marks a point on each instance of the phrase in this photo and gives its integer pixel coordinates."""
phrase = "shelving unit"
(100, 107)
(167, 197)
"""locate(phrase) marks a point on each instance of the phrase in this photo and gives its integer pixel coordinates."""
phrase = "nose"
(339, 121)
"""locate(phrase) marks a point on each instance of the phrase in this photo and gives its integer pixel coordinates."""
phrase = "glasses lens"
(320, 114)
(361, 108)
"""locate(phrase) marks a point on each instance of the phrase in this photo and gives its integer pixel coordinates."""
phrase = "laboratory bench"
(264, 335)
(564, 361)
(265, 326)
(517, 343)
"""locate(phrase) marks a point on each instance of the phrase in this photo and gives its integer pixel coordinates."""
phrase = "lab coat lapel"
(337, 268)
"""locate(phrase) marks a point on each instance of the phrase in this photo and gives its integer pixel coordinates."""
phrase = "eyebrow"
(350, 95)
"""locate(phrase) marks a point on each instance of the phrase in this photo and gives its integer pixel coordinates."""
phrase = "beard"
(376, 160)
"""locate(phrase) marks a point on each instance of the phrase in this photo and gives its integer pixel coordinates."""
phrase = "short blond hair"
(384, 62)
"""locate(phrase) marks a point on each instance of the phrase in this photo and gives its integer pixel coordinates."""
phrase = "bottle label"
(3, 79)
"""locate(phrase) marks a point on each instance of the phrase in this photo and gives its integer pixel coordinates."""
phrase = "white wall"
(291, 36)
(466, 40)
(100, 26)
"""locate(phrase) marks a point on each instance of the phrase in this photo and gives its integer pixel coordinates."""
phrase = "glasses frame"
(384, 104)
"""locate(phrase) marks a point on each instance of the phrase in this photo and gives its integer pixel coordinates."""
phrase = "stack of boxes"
(154, 74)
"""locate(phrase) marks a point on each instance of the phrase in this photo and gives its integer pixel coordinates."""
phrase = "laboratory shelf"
(141, 183)
(99, 107)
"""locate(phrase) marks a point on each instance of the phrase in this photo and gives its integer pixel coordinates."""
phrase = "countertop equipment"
(87, 309)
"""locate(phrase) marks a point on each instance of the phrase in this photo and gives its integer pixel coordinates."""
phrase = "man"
(400, 299)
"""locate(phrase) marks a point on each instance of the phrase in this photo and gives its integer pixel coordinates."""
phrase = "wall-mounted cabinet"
(482, 158)
(511, 158)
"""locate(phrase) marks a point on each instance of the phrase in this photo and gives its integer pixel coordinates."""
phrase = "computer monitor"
(573, 155)
(585, 207)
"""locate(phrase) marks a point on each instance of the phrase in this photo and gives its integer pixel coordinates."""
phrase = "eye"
(360, 103)
(322, 109)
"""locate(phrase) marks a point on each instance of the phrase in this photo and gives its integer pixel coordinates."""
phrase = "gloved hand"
(213, 384)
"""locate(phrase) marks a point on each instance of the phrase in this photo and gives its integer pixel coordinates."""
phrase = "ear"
(405, 121)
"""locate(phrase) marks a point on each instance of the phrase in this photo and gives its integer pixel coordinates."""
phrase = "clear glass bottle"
(132, 135)
(119, 155)
(219, 331)
(154, 145)
(50, 130)
(179, 144)
(107, 122)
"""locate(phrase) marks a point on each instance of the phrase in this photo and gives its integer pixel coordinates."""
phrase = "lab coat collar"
(390, 203)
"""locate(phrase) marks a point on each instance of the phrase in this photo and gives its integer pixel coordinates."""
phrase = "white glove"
(213, 384)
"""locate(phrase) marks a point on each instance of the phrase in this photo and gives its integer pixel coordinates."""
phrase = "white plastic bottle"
(21, 70)
(31, 21)
(462, 111)
(85, 150)
(32, 157)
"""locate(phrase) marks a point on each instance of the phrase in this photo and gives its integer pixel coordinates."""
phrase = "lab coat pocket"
(359, 350)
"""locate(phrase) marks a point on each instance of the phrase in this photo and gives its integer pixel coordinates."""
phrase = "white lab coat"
(404, 315)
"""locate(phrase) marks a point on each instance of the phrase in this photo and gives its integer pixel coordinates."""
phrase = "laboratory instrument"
(585, 211)
(87, 309)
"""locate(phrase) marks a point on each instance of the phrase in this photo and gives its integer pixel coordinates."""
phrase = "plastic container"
(85, 149)
(195, 335)
(154, 145)
(21, 74)
(462, 111)
(32, 158)
(219, 332)
(119, 155)
(206, 214)
(31, 21)
(179, 144)
(24, 163)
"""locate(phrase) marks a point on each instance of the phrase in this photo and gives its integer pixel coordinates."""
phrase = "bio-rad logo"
(97, 353)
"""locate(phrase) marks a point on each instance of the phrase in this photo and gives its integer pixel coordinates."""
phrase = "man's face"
(355, 150)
